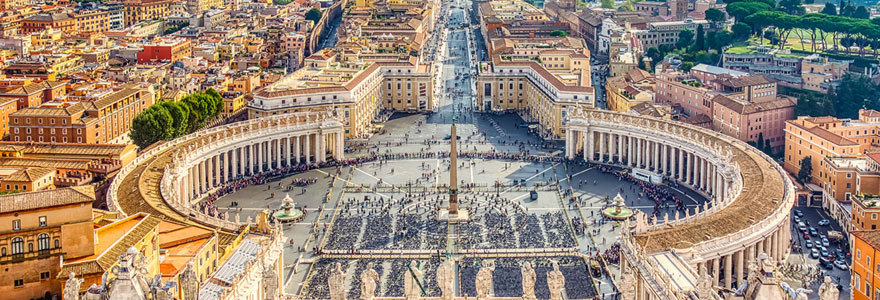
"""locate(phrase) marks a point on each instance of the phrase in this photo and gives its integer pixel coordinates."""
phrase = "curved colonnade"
(747, 214)
(168, 179)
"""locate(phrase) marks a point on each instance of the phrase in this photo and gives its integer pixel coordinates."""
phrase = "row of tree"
(850, 28)
(171, 119)
(854, 92)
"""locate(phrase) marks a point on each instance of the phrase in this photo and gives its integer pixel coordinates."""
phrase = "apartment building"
(818, 72)
(844, 162)
(737, 104)
(865, 265)
(170, 50)
(58, 20)
(356, 86)
(35, 94)
(38, 228)
(105, 121)
(666, 33)
(139, 10)
(544, 93)
(624, 92)
(93, 20)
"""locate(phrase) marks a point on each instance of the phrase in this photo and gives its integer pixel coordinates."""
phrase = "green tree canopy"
(854, 92)
(715, 16)
(609, 4)
(626, 6)
(741, 30)
(829, 9)
(179, 115)
(806, 171)
(558, 33)
(701, 38)
(741, 10)
(151, 125)
(861, 13)
(685, 38)
(791, 7)
(313, 14)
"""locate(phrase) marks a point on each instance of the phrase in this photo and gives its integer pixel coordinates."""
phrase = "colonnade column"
(251, 158)
(601, 146)
(296, 149)
(306, 147)
(639, 156)
(629, 151)
(287, 149)
(739, 267)
(588, 140)
(728, 270)
(569, 144)
(340, 145)
(716, 265)
(278, 149)
(656, 157)
(620, 149)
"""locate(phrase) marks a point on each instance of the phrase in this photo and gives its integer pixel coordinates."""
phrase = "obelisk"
(453, 172)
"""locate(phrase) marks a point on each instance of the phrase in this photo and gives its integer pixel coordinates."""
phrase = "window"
(16, 224)
(17, 246)
(44, 276)
(19, 282)
(43, 221)
(43, 242)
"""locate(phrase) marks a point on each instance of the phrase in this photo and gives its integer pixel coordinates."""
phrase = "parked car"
(814, 253)
(809, 244)
(797, 212)
(826, 263)
(824, 222)
(806, 236)
(823, 251)
(813, 231)
(802, 227)
(839, 253)
(841, 264)
(824, 242)
(797, 219)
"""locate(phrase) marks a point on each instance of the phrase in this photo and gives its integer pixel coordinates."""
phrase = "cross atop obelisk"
(453, 172)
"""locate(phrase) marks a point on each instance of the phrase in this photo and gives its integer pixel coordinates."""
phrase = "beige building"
(356, 86)
(817, 72)
(624, 92)
(38, 228)
(543, 85)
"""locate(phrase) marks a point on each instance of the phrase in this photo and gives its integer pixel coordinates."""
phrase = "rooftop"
(47, 198)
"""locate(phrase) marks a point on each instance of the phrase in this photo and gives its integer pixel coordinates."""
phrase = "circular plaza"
(378, 202)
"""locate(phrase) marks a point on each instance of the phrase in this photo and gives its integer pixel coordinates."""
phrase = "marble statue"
(412, 282)
(484, 280)
(71, 287)
(802, 294)
(528, 282)
(828, 290)
(446, 279)
(189, 282)
(270, 282)
(753, 270)
(336, 283)
(555, 282)
(705, 287)
(369, 281)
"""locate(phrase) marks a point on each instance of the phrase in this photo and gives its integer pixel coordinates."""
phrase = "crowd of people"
(507, 276)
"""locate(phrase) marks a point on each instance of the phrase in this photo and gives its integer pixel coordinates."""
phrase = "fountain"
(618, 211)
(288, 211)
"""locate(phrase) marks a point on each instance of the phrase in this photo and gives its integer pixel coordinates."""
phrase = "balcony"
(35, 255)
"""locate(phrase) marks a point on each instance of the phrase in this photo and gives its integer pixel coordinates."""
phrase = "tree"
(642, 65)
(854, 92)
(861, 13)
(830, 9)
(687, 66)
(791, 7)
(741, 31)
(741, 10)
(806, 170)
(715, 16)
(760, 142)
(151, 125)
(558, 33)
(721, 39)
(701, 38)
(609, 4)
(847, 10)
(626, 6)
(179, 115)
(685, 38)
(313, 14)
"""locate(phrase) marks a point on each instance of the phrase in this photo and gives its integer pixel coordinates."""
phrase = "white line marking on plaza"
(542, 172)
(576, 174)
(346, 180)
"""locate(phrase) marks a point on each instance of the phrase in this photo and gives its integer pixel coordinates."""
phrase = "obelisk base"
(461, 216)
